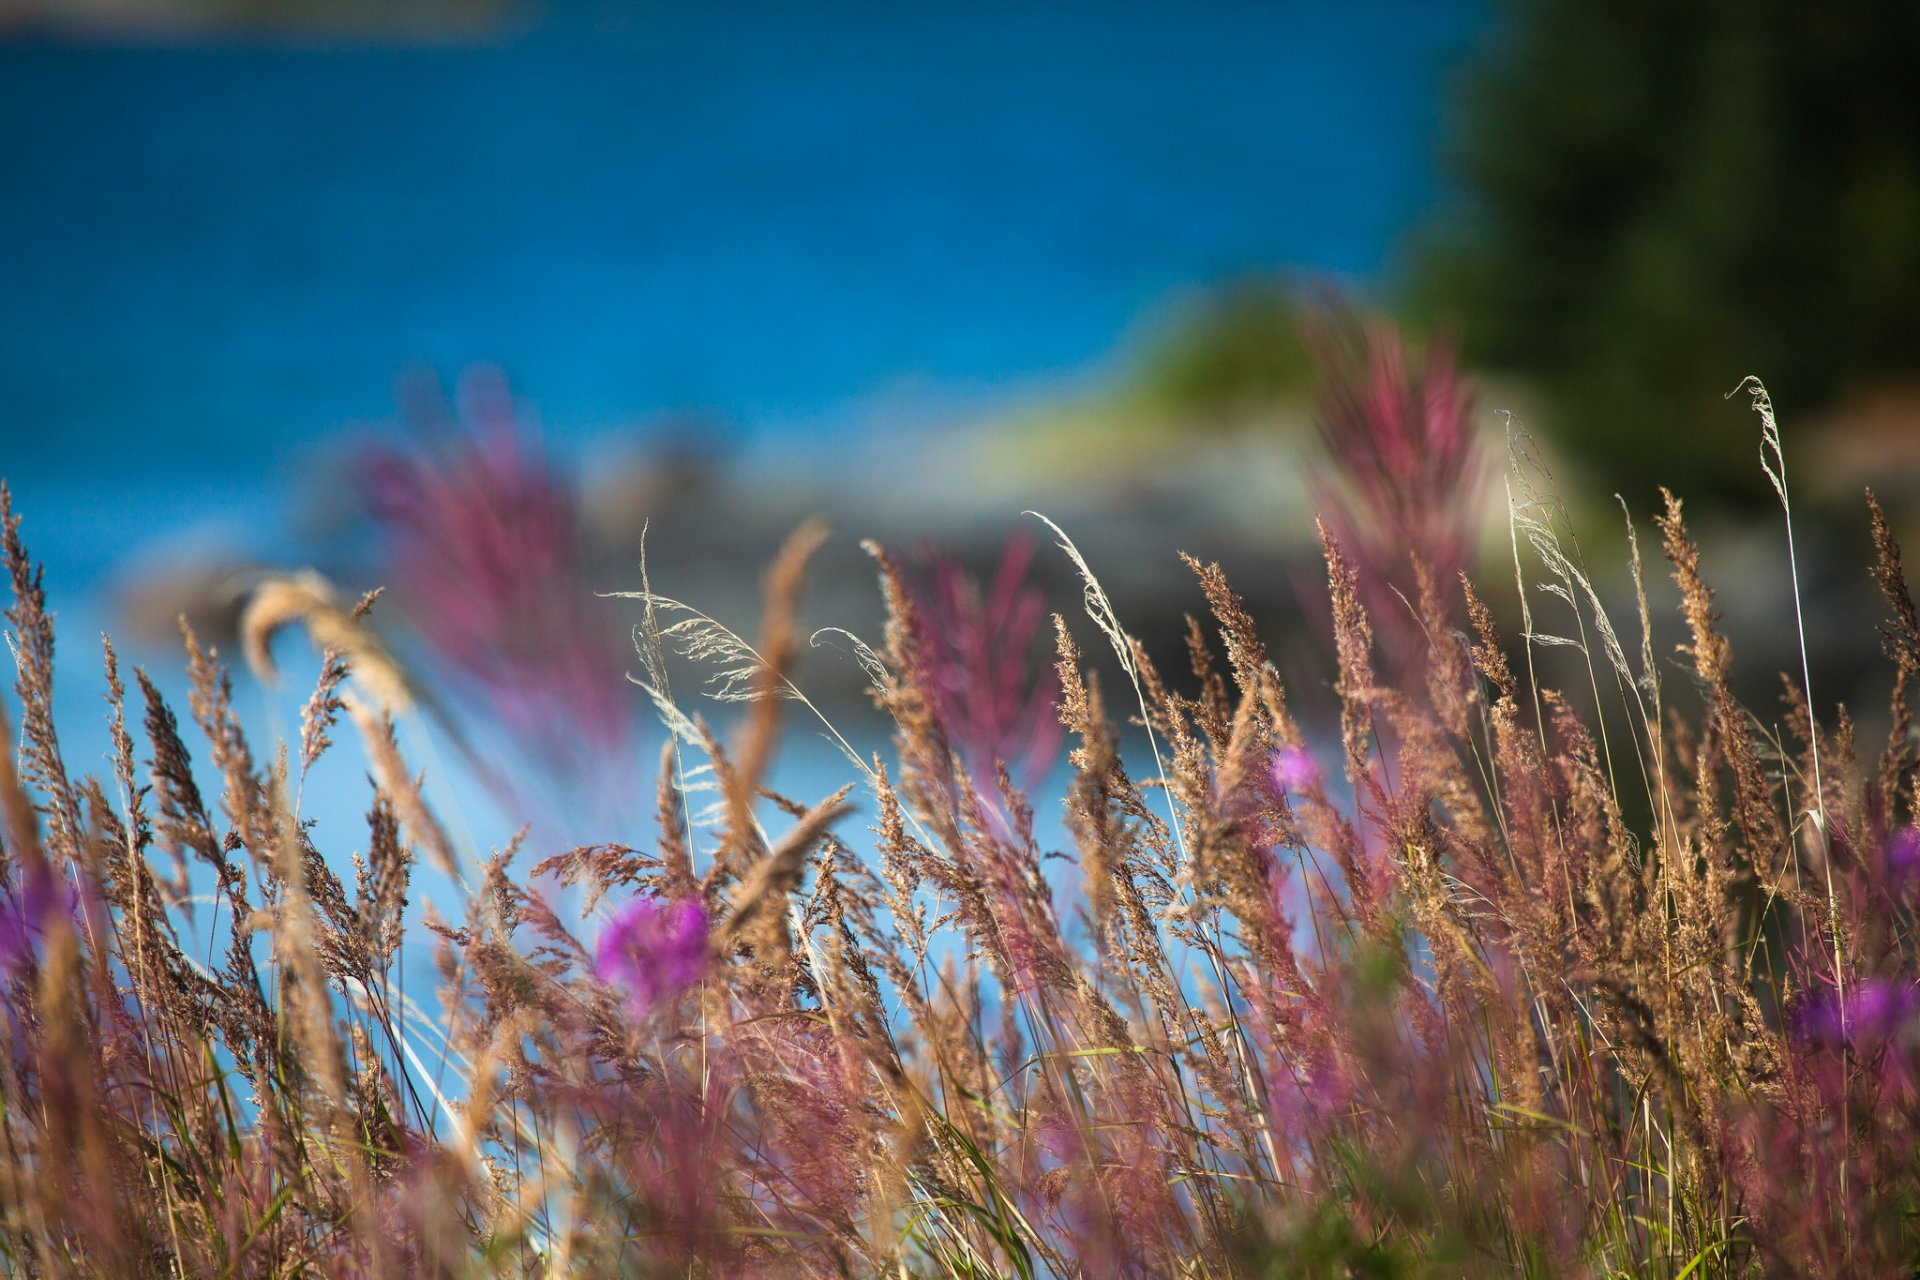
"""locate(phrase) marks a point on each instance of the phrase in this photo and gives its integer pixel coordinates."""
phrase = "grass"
(1497, 980)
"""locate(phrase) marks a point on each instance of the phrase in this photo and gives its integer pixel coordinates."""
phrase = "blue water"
(214, 257)
(788, 218)
(785, 217)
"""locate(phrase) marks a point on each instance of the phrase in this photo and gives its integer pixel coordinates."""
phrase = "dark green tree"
(1662, 196)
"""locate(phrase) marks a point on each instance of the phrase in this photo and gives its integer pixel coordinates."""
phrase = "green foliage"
(1235, 351)
(1667, 195)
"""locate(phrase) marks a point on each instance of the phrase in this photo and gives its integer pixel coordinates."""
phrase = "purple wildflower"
(1903, 858)
(993, 701)
(483, 543)
(655, 950)
(1873, 1013)
(28, 912)
(1311, 1092)
(1403, 470)
(1293, 769)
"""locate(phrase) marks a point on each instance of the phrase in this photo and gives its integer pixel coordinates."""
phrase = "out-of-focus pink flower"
(994, 697)
(654, 950)
(1874, 1013)
(1403, 474)
(1293, 769)
(28, 910)
(1310, 1096)
(1903, 858)
(482, 543)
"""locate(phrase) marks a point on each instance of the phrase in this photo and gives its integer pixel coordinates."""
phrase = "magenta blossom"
(655, 950)
(1402, 473)
(1293, 769)
(1873, 1013)
(995, 701)
(1903, 858)
(29, 911)
(481, 542)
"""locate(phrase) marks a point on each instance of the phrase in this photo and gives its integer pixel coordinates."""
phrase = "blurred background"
(277, 277)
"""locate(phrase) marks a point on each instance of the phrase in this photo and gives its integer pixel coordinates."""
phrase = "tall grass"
(1497, 981)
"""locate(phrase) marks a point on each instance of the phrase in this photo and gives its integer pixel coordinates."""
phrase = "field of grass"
(1496, 979)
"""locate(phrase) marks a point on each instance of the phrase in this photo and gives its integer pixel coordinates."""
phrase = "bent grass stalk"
(1474, 1020)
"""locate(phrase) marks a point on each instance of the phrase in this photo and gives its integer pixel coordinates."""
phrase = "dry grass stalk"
(1480, 1012)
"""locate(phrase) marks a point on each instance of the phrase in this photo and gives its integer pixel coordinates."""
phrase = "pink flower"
(994, 701)
(482, 543)
(28, 911)
(1402, 474)
(654, 950)
(1875, 1012)
(1293, 769)
(1903, 858)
